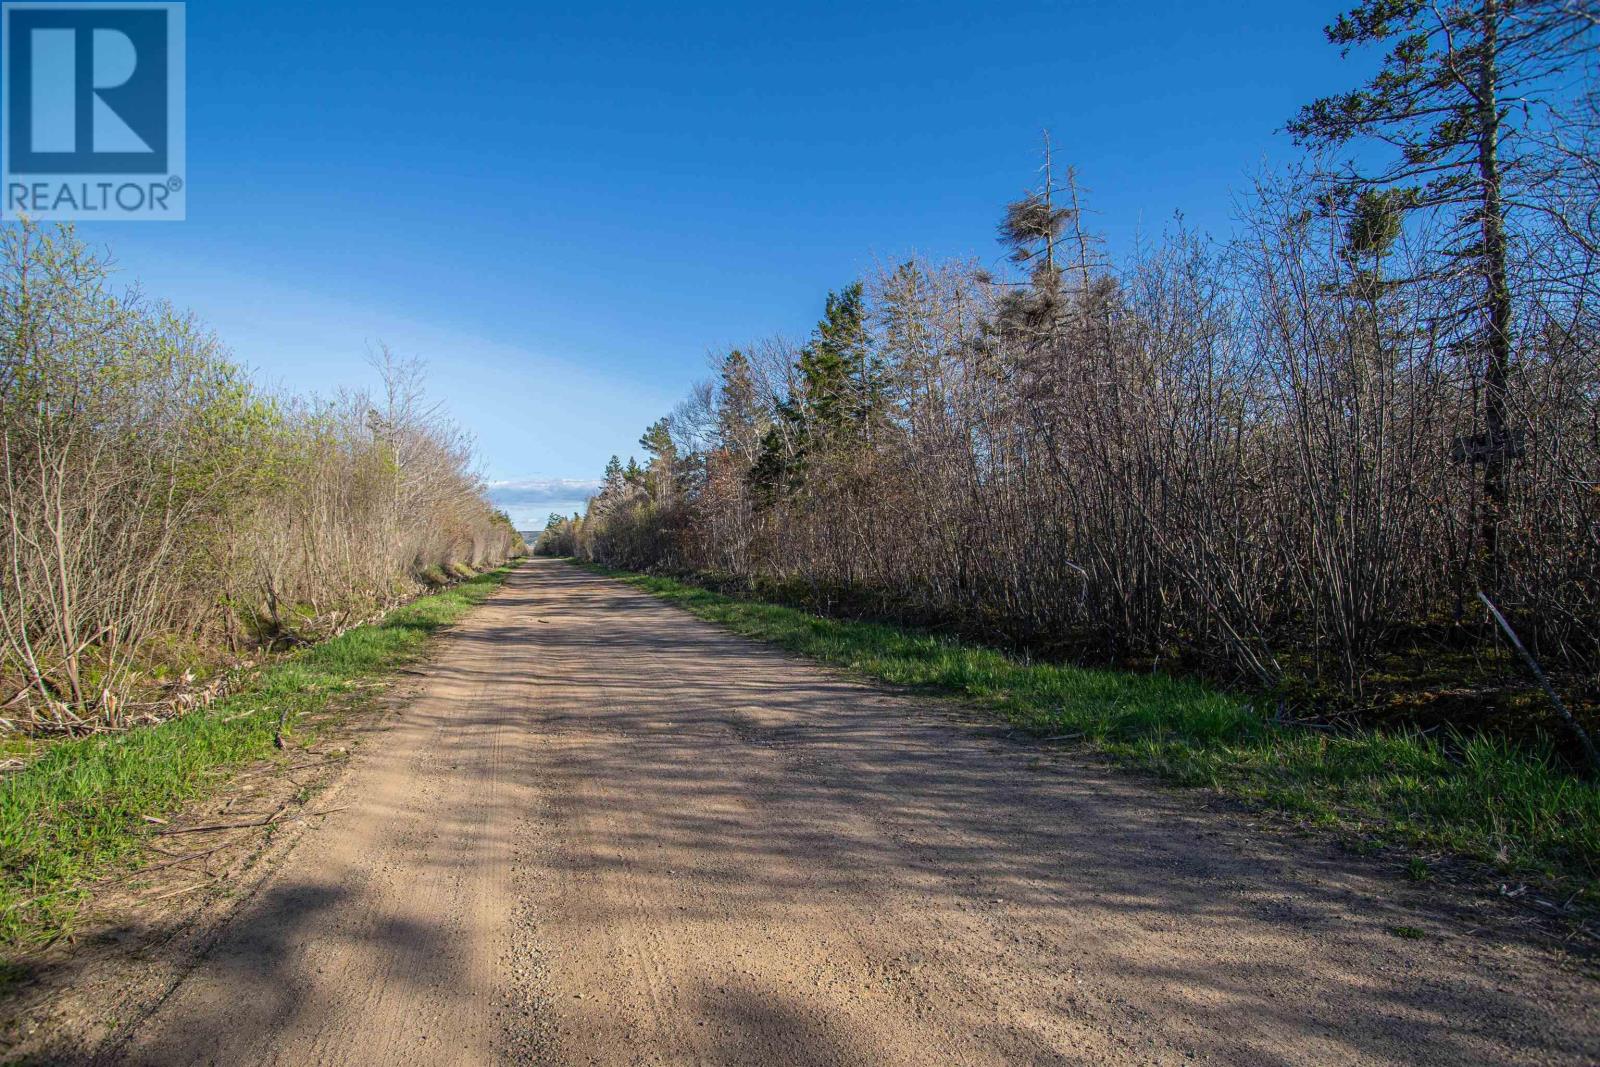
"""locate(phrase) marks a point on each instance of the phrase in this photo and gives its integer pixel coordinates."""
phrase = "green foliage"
(661, 472)
(559, 536)
(840, 400)
(657, 441)
(1464, 99)
(826, 365)
(739, 410)
(153, 492)
(779, 465)
(1374, 224)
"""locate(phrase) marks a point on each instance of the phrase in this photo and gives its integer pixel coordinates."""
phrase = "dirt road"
(611, 834)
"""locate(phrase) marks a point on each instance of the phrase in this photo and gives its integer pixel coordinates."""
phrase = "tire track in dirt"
(607, 833)
(376, 940)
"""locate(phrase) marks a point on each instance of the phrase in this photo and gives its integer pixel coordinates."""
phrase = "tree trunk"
(1498, 299)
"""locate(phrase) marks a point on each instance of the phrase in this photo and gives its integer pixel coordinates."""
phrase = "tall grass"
(1514, 806)
(77, 812)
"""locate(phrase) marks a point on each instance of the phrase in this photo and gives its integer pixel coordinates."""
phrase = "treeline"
(1288, 458)
(163, 513)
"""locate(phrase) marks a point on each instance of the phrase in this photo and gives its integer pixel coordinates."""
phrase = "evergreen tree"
(773, 473)
(840, 398)
(1465, 91)
(843, 382)
(738, 408)
(825, 364)
(613, 489)
(1370, 234)
(661, 466)
(906, 301)
(657, 441)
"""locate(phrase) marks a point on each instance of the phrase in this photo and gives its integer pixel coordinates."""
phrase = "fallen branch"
(176, 860)
(180, 891)
(1533, 665)
(225, 825)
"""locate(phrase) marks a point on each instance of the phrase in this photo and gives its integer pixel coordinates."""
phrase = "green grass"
(75, 813)
(1513, 806)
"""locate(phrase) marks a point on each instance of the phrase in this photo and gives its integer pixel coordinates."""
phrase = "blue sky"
(563, 209)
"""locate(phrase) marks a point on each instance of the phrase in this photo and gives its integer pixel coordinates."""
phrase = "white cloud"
(524, 492)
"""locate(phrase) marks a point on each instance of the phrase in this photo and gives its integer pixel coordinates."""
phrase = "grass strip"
(77, 812)
(1513, 806)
